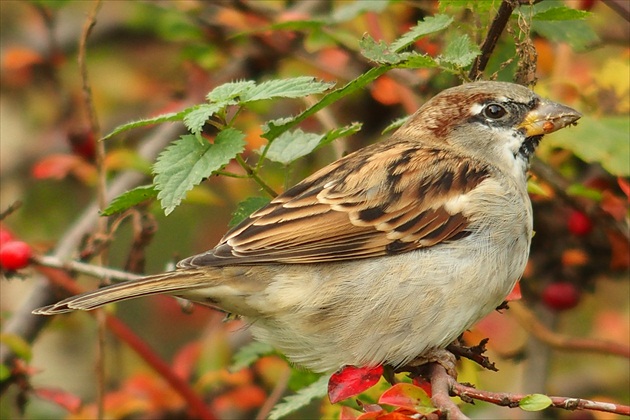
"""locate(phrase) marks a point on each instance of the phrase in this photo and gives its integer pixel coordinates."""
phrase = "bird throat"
(529, 146)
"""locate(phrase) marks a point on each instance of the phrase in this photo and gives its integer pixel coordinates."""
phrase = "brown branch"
(505, 399)
(126, 335)
(496, 29)
(622, 7)
(441, 385)
(531, 324)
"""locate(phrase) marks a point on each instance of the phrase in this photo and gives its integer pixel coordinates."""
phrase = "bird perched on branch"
(387, 254)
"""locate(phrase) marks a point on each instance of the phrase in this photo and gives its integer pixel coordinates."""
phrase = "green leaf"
(612, 148)
(460, 52)
(303, 397)
(535, 402)
(296, 87)
(292, 145)
(336, 133)
(429, 25)
(187, 162)
(249, 353)
(418, 61)
(395, 125)
(197, 116)
(229, 91)
(551, 11)
(349, 11)
(129, 199)
(18, 345)
(5, 372)
(273, 129)
(578, 34)
(171, 116)
(247, 207)
(379, 52)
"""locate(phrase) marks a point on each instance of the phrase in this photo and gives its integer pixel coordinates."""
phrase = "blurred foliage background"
(152, 57)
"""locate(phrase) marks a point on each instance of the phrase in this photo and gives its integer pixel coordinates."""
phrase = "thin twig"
(505, 399)
(101, 192)
(531, 324)
(274, 397)
(96, 271)
(126, 335)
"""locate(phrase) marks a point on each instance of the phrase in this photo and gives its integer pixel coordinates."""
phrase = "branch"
(496, 29)
(444, 386)
(96, 271)
(126, 335)
(531, 324)
(505, 399)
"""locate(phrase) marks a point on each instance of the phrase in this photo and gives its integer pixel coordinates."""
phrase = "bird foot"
(441, 356)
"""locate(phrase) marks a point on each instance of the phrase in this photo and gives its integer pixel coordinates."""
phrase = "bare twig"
(622, 7)
(274, 397)
(12, 208)
(118, 328)
(96, 271)
(531, 324)
(512, 400)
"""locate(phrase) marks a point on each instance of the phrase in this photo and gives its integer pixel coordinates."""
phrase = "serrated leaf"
(612, 148)
(229, 91)
(247, 207)
(187, 162)
(551, 11)
(301, 399)
(296, 87)
(249, 353)
(272, 130)
(379, 52)
(171, 116)
(292, 145)
(460, 52)
(18, 345)
(429, 25)
(336, 133)
(129, 199)
(197, 116)
(535, 402)
(418, 61)
(561, 13)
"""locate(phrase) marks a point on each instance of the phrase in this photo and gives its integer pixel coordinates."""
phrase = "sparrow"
(387, 254)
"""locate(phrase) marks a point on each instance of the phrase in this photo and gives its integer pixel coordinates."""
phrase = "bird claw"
(443, 357)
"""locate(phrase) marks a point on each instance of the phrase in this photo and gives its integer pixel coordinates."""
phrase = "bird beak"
(548, 117)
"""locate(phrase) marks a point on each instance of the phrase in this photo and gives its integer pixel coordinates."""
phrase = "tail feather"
(168, 283)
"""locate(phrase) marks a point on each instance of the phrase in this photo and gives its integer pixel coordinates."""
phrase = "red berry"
(561, 296)
(579, 224)
(14, 255)
(5, 236)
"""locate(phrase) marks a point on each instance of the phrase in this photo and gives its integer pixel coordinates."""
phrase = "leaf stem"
(253, 175)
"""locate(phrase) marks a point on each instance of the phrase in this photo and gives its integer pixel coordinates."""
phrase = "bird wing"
(385, 199)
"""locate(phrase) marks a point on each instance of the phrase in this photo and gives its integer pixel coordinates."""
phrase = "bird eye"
(494, 111)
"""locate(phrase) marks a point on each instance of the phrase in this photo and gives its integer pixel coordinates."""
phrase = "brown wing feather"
(396, 203)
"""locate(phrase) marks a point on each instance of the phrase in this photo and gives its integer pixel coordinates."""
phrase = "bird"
(387, 254)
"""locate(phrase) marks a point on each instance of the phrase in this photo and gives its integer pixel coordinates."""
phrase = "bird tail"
(169, 283)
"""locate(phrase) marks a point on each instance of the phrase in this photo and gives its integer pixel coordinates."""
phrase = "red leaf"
(424, 384)
(625, 186)
(348, 413)
(409, 396)
(351, 380)
(67, 401)
(186, 359)
(515, 294)
(59, 166)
